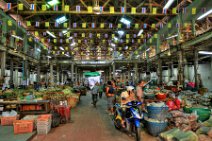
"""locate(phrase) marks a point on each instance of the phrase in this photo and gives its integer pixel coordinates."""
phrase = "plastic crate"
(155, 128)
(65, 113)
(8, 120)
(45, 116)
(23, 126)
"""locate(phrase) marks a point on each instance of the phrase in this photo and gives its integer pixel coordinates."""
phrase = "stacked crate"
(44, 123)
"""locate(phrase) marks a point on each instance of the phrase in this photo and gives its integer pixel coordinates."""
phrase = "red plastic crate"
(8, 120)
(64, 111)
(23, 126)
(45, 116)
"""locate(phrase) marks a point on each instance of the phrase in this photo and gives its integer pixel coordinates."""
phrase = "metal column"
(16, 77)
(136, 73)
(11, 71)
(109, 73)
(180, 67)
(3, 63)
(58, 76)
(114, 70)
(38, 72)
(51, 74)
(72, 72)
(159, 71)
(195, 67)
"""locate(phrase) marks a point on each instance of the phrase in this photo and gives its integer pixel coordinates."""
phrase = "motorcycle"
(132, 119)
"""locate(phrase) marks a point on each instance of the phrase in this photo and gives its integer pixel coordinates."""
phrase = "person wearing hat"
(126, 96)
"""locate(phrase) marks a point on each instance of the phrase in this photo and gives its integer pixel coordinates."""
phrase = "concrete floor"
(90, 124)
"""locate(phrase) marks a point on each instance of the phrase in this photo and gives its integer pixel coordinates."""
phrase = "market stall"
(178, 115)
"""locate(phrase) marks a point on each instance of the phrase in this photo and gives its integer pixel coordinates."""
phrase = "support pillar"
(3, 63)
(159, 72)
(11, 71)
(38, 73)
(129, 75)
(4, 32)
(195, 67)
(110, 74)
(72, 72)
(16, 77)
(169, 71)
(186, 70)
(180, 67)
(51, 74)
(136, 72)
(58, 76)
(76, 77)
(114, 70)
(25, 77)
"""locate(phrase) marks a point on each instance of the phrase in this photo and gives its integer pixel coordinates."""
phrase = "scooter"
(132, 119)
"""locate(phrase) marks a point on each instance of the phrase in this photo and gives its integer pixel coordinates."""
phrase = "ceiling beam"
(83, 3)
(105, 13)
(105, 4)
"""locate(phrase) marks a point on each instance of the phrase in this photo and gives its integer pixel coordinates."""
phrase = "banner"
(20, 7)
(43, 8)
(133, 10)
(112, 11)
(154, 10)
(66, 8)
(90, 9)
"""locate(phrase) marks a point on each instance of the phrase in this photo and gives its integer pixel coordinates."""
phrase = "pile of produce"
(176, 134)
(184, 122)
(205, 131)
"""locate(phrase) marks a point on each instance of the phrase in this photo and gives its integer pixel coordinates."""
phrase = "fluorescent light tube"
(121, 33)
(67, 55)
(112, 44)
(70, 38)
(64, 31)
(172, 37)
(137, 56)
(205, 52)
(51, 34)
(53, 2)
(38, 50)
(17, 37)
(204, 15)
(148, 49)
(61, 48)
(140, 32)
(168, 4)
(61, 19)
(115, 38)
(125, 21)
(73, 44)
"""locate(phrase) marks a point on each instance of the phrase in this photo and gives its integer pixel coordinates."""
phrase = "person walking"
(94, 92)
(100, 90)
(110, 90)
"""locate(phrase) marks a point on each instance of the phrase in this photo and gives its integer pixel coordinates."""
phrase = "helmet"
(130, 88)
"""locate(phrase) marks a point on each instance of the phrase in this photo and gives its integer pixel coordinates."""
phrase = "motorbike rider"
(126, 96)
